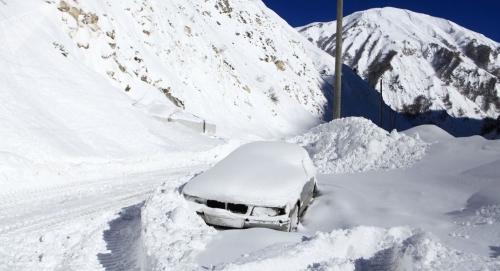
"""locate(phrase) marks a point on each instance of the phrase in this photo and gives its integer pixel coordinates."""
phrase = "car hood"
(260, 174)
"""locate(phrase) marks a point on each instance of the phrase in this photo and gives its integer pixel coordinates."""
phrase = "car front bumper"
(243, 222)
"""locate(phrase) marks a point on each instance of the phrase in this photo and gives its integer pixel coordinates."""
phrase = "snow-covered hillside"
(209, 58)
(425, 63)
(91, 83)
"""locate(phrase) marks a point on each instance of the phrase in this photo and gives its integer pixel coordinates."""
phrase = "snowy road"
(45, 224)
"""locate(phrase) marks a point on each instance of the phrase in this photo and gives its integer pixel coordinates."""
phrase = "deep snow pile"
(172, 233)
(356, 144)
(362, 248)
(173, 237)
(339, 248)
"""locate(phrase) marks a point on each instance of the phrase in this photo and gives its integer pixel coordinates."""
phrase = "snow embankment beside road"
(356, 144)
(172, 233)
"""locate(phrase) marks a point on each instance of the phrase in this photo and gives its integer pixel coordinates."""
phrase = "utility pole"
(381, 102)
(338, 62)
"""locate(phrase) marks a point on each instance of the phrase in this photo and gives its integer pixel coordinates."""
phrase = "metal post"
(338, 62)
(381, 102)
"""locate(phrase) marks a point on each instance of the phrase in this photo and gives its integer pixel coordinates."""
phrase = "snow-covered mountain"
(427, 64)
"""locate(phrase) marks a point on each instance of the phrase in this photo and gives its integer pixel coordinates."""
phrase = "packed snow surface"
(356, 144)
(442, 213)
(259, 173)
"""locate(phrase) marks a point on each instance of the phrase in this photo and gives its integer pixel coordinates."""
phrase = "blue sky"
(482, 16)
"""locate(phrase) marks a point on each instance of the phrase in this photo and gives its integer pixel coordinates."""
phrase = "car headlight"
(195, 199)
(267, 211)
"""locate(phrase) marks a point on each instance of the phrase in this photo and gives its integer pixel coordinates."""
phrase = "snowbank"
(362, 248)
(172, 233)
(429, 133)
(340, 247)
(356, 144)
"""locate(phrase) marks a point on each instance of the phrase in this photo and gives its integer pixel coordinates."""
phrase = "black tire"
(294, 218)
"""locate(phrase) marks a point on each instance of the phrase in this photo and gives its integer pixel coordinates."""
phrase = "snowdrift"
(171, 233)
(172, 237)
(356, 144)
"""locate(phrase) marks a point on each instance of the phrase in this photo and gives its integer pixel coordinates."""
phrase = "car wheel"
(294, 218)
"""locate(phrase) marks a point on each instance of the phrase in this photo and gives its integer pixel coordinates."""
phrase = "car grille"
(216, 204)
(237, 208)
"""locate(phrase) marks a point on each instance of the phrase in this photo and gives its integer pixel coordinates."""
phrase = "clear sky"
(481, 16)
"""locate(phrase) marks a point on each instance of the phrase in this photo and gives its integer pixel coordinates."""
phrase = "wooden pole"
(338, 62)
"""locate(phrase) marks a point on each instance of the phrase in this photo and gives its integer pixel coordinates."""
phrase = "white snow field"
(441, 213)
(91, 168)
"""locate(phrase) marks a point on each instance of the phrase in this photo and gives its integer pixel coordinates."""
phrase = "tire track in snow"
(17, 195)
(123, 241)
(80, 212)
(395, 258)
(58, 204)
(27, 194)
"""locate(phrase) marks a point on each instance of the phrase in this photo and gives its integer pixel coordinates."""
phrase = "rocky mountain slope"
(432, 70)
(209, 58)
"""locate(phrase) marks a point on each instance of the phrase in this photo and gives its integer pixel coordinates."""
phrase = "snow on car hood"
(259, 173)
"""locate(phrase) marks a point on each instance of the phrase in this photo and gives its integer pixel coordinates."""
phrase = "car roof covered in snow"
(268, 173)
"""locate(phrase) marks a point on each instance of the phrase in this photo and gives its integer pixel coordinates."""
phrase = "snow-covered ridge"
(455, 70)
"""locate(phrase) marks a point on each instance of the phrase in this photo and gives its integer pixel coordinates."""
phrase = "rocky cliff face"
(432, 70)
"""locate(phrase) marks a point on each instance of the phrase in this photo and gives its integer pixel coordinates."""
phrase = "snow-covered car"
(261, 184)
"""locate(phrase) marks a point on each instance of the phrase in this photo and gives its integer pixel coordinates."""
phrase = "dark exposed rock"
(445, 62)
(479, 54)
(379, 66)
